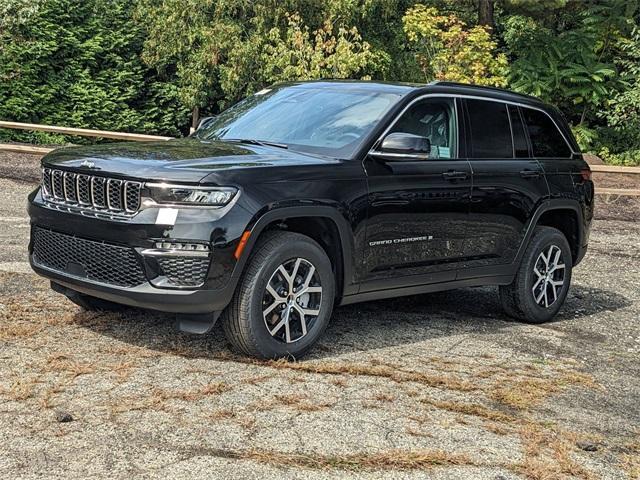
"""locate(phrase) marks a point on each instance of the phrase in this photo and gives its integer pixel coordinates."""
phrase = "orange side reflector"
(241, 244)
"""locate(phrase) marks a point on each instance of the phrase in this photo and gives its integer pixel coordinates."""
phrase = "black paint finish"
(405, 225)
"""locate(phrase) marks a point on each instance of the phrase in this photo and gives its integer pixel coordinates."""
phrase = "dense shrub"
(150, 65)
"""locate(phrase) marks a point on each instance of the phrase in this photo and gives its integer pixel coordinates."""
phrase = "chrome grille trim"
(82, 193)
(69, 186)
(114, 194)
(46, 181)
(132, 196)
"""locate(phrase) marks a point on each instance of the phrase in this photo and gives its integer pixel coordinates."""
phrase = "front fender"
(262, 220)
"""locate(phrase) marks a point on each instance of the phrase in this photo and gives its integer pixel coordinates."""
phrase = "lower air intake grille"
(79, 257)
(184, 271)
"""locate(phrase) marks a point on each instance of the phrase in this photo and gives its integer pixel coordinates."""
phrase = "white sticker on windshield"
(263, 91)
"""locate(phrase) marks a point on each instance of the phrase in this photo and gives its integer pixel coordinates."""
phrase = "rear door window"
(490, 131)
(546, 139)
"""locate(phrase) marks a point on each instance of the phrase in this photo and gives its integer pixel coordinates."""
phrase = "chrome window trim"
(375, 152)
(414, 156)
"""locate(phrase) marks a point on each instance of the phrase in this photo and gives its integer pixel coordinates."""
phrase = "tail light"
(586, 174)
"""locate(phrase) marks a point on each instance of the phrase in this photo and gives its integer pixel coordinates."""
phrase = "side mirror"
(406, 144)
(204, 121)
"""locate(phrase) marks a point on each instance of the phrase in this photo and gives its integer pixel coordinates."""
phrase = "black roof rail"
(486, 88)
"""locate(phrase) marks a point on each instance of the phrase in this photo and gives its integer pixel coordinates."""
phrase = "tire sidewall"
(533, 311)
(312, 252)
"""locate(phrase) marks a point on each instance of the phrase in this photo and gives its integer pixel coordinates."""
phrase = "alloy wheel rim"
(548, 275)
(291, 300)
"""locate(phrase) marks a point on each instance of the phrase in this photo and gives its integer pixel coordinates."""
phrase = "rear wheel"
(284, 300)
(542, 282)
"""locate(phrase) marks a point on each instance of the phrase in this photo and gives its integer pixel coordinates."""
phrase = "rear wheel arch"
(566, 220)
(561, 214)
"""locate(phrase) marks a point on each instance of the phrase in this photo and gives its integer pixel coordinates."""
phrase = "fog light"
(189, 247)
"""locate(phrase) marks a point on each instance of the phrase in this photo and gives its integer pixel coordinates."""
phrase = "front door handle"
(454, 175)
(529, 173)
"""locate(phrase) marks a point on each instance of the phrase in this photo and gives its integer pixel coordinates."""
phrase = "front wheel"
(542, 281)
(284, 300)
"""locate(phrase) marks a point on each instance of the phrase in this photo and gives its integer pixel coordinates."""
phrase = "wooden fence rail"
(83, 132)
(137, 137)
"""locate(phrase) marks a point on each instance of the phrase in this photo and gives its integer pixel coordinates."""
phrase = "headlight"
(186, 195)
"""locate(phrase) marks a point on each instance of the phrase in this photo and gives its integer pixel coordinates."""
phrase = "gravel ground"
(438, 386)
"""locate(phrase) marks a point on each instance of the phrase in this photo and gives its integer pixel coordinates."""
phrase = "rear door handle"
(529, 173)
(454, 175)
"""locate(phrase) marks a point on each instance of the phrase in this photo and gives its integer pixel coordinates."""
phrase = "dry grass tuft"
(391, 460)
(384, 397)
(524, 393)
(159, 397)
(472, 409)
(62, 363)
(547, 455)
(14, 330)
(630, 459)
(255, 380)
(222, 414)
(339, 382)
(301, 403)
(391, 372)
(20, 389)
(215, 388)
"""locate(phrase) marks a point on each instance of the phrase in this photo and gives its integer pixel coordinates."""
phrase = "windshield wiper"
(253, 141)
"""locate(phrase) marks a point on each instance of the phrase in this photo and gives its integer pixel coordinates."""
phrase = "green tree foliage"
(149, 65)
(447, 49)
(77, 63)
(583, 59)
(223, 50)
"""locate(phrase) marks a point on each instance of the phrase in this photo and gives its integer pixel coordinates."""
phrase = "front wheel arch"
(278, 218)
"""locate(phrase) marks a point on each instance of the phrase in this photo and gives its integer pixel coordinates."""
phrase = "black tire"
(93, 304)
(519, 298)
(243, 321)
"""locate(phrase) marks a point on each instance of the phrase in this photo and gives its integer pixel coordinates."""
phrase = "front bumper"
(144, 296)
(220, 229)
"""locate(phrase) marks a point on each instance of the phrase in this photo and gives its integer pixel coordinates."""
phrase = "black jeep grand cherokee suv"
(309, 195)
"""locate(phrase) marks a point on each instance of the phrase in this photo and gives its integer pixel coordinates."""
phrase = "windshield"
(325, 120)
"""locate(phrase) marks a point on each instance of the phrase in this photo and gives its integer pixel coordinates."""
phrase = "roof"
(482, 90)
(435, 87)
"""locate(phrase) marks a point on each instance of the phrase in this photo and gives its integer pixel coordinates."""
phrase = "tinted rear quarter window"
(520, 143)
(490, 129)
(546, 139)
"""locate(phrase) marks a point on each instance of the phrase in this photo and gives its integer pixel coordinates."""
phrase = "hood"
(183, 160)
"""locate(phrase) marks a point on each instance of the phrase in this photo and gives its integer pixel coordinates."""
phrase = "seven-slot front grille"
(98, 261)
(91, 192)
